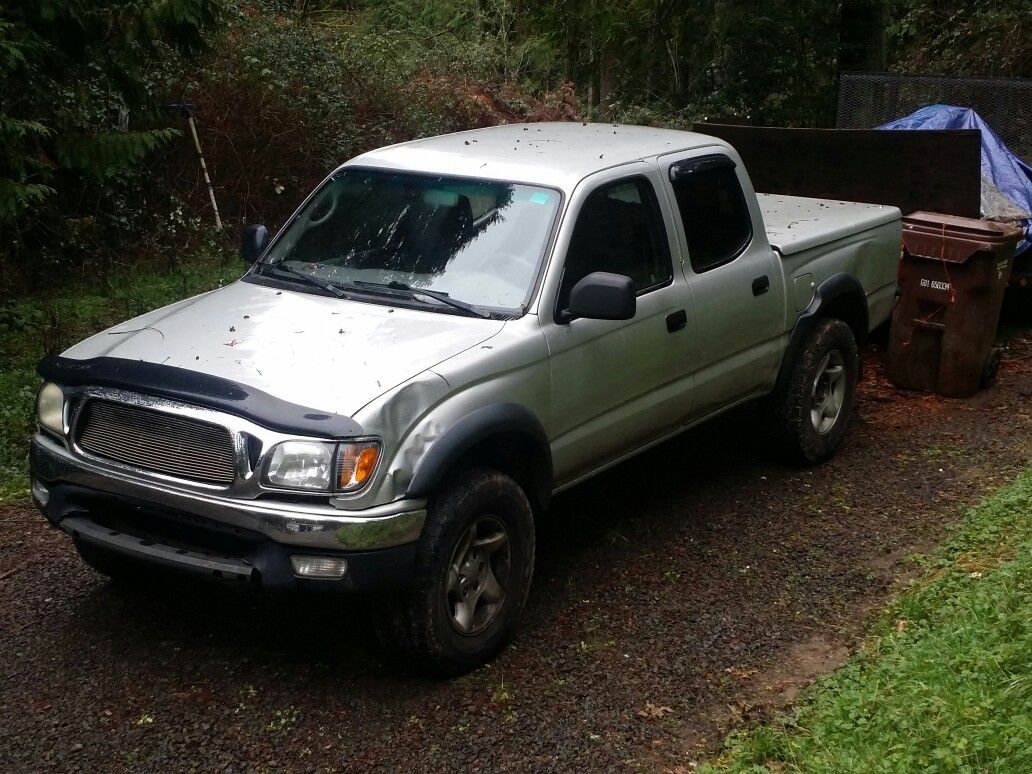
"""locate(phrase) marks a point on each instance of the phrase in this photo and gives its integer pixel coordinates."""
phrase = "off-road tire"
(118, 568)
(792, 428)
(417, 624)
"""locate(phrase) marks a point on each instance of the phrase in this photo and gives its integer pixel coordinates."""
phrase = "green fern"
(16, 198)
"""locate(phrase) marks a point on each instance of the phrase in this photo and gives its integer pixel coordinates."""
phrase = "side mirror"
(601, 296)
(253, 242)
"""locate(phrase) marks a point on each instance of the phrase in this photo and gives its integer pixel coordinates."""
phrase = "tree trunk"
(606, 75)
(595, 96)
(862, 35)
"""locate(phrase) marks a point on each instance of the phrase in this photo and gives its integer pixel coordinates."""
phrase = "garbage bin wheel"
(991, 369)
(811, 410)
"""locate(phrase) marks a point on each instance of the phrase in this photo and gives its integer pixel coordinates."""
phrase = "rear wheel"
(811, 411)
(473, 572)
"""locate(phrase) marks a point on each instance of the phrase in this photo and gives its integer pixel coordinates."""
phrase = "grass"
(34, 326)
(944, 683)
(942, 452)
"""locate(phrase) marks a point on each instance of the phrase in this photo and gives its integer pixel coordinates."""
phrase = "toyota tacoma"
(445, 334)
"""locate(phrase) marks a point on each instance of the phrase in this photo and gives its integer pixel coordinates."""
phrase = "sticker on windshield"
(539, 197)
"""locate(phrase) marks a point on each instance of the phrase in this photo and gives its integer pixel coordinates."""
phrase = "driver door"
(616, 385)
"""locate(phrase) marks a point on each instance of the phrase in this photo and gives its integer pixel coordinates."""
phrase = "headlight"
(301, 465)
(317, 466)
(50, 408)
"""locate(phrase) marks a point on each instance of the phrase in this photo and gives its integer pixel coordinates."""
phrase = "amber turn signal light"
(355, 466)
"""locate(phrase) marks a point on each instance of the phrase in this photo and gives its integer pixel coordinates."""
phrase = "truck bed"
(797, 223)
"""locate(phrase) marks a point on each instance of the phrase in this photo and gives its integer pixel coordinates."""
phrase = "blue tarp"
(1003, 169)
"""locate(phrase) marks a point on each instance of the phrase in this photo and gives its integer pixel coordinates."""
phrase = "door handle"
(760, 285)
(675, 321)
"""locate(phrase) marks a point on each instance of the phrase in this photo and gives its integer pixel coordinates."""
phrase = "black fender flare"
(477, 427)
(835, 288)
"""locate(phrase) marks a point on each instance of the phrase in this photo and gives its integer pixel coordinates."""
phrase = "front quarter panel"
(510, 368)
(400, 419)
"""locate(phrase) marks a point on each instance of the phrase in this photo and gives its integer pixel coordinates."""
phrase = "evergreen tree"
(75, 107)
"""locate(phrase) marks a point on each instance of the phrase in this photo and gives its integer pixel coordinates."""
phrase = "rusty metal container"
(953, 276)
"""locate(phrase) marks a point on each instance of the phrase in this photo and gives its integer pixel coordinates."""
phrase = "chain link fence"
(868, 99)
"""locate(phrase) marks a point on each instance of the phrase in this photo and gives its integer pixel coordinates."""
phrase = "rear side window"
(716, 218)
(619, 230)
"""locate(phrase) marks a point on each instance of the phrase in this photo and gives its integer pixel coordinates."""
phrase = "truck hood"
(329, 354)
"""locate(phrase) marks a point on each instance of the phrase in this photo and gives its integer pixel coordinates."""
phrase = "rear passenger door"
(616, 384)
(735, 277)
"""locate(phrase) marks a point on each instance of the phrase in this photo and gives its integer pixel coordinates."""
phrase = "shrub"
(288, 96)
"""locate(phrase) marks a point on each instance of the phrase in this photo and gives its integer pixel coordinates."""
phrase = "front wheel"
(811, 411)
(473, 571)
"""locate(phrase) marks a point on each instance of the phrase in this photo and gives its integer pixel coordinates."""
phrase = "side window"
(716, 218)
(619, 230)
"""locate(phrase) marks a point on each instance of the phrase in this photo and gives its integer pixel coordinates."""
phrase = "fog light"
(40, 493)
(319, 566)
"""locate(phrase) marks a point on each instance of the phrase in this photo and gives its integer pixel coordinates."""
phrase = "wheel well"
(852, 310)
(517, 456)
(845, 302)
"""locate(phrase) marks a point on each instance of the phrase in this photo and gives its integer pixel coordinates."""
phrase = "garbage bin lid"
(955, 239)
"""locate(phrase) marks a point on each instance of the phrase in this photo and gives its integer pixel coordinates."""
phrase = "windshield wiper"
(310, 279)
(391, 288)
(437, 295)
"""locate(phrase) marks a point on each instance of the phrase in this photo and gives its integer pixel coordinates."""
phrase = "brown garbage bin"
(953, 275)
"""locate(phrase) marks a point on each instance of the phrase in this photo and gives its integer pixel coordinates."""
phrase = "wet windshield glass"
(479, 242)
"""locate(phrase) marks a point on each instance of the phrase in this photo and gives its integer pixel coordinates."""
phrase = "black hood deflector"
(199, 389)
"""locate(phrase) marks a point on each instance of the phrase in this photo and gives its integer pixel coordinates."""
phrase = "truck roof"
(557, 154)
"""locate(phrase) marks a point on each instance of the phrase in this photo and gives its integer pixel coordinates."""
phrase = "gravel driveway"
(677, 595)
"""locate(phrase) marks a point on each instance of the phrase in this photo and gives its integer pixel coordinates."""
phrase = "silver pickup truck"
(447, 332)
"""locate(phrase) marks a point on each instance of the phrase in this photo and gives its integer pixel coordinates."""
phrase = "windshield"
(478, 242)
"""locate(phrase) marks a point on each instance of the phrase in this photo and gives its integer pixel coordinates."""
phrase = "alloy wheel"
(829, 392)
(478, 576)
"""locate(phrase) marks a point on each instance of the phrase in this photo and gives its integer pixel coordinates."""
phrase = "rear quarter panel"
(872, 256)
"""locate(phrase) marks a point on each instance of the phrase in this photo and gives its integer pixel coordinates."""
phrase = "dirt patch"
(760, 693)
(801, 664)
(694, 588)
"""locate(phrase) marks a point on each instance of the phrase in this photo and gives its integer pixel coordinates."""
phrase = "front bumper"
(224, 537)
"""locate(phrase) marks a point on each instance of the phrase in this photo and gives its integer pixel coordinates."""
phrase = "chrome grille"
(154, 440)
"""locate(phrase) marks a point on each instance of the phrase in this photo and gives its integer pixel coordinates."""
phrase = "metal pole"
(204, 169)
